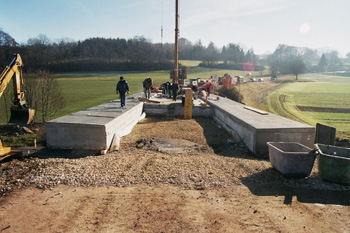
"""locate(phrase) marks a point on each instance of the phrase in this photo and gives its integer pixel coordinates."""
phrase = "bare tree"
(51, 98)
(297, 66)
(32, 91)
(44, 94)
(6, 39)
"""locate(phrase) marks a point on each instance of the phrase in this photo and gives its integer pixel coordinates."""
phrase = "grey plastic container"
(291, 159)
(334, 163)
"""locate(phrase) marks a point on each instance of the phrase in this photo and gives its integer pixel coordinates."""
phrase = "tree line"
(139, 53)
(101, 54)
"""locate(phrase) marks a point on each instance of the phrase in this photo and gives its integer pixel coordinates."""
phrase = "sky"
(260, 25)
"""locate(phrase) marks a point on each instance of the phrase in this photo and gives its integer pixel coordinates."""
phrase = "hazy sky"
(258, 24)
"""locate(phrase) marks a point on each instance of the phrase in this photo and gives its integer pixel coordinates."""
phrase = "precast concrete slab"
(168, 107)
(96, 128)
(255, 127)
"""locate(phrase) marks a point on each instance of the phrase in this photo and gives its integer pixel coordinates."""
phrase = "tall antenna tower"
(161, 27)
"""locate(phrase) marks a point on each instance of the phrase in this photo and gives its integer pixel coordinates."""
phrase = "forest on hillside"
(139, 53)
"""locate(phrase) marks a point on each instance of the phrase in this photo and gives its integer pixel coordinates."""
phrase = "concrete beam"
(176, 110)
(167, 107)
(255, 127)
(94, 128)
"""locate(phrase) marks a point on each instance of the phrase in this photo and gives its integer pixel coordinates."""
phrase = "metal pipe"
(176, 59)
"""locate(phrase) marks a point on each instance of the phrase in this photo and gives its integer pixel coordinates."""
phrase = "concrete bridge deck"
(101, 127)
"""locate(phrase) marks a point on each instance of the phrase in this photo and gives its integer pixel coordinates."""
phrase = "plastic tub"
(291, 159)
(334, 163)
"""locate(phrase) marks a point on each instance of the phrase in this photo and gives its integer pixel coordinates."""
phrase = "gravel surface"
(214, 161)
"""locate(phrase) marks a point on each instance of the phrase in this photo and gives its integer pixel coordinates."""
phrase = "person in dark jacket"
(175, 89)
(170, 87)
(122, 88)
(195, 91)
(147, 86)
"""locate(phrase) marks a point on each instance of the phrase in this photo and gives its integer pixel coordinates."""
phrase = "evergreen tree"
(322, 65)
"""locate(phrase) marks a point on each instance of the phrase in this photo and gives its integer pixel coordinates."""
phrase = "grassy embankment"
(321, 99)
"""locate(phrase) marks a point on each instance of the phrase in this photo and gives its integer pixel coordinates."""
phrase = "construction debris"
(143, 99)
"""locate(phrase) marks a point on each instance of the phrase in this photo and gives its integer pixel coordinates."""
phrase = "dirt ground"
(150, 185)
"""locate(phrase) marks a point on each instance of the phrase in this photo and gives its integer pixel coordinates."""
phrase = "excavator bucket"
(22, 116)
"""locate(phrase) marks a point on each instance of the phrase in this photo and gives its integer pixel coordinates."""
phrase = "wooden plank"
(188, 104)
(147, 100)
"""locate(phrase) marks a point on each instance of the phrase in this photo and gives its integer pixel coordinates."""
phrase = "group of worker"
(170, 90)
(123, 88)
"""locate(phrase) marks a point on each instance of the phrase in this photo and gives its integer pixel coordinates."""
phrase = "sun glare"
(304, 28)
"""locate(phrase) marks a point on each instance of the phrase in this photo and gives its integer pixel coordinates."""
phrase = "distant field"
(323, 99)
(189, 63)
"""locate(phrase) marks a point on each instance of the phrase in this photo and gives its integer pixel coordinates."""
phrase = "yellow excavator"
(20, 113)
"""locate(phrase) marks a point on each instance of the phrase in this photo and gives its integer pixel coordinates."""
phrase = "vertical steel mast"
(176, 60)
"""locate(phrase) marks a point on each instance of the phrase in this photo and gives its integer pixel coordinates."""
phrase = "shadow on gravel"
(221, 141)
(46, 153)
(312, 190)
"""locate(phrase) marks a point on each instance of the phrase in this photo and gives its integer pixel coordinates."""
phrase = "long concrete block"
(176, 110)
(256, 127)
(96, 128)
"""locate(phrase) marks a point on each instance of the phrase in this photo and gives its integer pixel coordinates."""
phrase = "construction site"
(144, 167)
(198, 162)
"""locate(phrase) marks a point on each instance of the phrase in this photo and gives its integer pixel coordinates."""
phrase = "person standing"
(195, 91)
(170, 88)
(147, 86)
(122, 89)
(175, 88)
(208, 87)
(167, 89)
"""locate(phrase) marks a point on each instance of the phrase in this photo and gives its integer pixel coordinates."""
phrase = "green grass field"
(84, 90)
(322, 99)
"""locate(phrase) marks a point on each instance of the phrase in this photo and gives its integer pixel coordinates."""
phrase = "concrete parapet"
(96, 128)
(255, 127)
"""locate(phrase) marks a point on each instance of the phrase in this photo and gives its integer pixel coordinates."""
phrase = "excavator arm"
(20, 113)
(14, 71)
